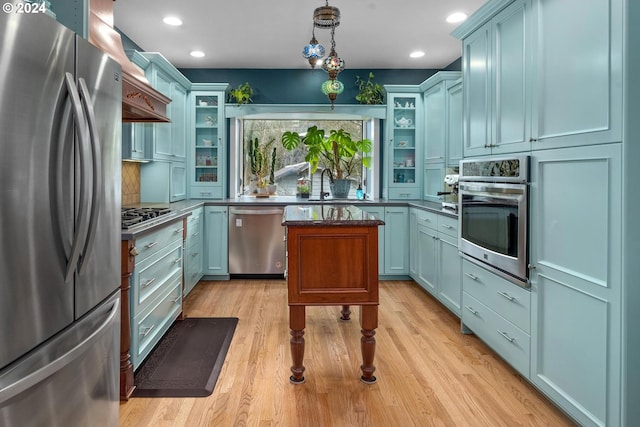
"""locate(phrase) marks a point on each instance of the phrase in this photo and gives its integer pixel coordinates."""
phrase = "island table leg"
(368, 323)
(297, 324)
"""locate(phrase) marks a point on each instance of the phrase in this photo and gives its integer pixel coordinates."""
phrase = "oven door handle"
(496, 190)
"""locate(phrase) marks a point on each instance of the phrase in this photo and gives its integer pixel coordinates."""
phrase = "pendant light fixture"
(325, 17)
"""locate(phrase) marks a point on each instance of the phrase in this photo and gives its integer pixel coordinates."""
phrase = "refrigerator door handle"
(96, 160)
(39, 375)
(83, 136)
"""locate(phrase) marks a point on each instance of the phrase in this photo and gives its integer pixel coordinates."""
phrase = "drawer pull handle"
(178, 231)
(506, 336)
(193, 255)
(195, 234)
(148, 282)
(176, 299)
(426, 219)
(471, 276)
(150, 245)
(448, 227)
(147, 331)
(176, 261)
(507, 296)
(475, 313)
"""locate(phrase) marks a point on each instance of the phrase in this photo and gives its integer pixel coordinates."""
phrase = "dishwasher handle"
(271, 211)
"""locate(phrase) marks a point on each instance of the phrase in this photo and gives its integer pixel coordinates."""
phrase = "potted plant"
(242, 94)
(260, 159)
(369, 92)
(302, 188)
(337, 152)
(272, 172)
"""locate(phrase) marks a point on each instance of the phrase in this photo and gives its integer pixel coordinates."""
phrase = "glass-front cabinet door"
(208, 141)
(404, 124)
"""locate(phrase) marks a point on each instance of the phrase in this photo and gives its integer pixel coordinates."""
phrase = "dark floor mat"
(188, 359)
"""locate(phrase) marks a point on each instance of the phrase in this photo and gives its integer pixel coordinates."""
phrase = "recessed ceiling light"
(172, 20)
(456, 17)
(197, 54)
(416, 54)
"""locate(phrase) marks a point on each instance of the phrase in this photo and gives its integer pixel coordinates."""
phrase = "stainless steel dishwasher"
(256, 241)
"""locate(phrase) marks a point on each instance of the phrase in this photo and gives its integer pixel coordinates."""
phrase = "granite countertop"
(183, 208)
(328, 215)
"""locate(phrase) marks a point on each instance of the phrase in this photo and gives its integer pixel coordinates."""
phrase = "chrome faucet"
(323, 193)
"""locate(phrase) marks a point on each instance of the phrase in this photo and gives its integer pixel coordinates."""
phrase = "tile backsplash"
(130, 183)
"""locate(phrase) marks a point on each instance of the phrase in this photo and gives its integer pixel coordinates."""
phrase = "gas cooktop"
(135, 216)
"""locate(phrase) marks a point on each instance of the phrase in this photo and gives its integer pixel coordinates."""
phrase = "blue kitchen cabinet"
(193, 250)
(413, 243)
(576, 243)
(396, 244)
(134, 142)
(162, 182)
(216, 242)
(403, 147)
(454, 123)
(437, 117)
(168, 140)
(393, 241)
(577, 76)
(207, 141)
(439, 266)
(378, 212)
(495, 66)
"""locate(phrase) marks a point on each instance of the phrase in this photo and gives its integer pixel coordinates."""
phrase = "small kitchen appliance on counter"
(450, 202)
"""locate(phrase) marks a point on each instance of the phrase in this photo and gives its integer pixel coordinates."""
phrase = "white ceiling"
(372, 34)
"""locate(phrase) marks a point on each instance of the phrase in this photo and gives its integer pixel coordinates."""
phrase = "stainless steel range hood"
(140, 101)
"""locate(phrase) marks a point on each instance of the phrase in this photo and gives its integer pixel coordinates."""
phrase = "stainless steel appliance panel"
(256, 240)
(36, 218)
(68, 381)
(98, 272)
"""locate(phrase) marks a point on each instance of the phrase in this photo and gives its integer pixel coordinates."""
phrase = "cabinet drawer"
(150, 326)
(404, 193)
(509, 341)
(206, 192)
(427, 218)
(448, 225)
(151, 243)
(510, 301)
(154, 274)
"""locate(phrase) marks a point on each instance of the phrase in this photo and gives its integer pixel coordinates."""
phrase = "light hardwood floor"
(429, 374)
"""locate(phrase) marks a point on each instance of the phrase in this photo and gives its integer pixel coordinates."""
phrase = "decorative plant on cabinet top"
(242, 94)
(369, 92)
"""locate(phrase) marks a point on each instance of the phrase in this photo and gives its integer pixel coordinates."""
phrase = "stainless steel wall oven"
(493, 215)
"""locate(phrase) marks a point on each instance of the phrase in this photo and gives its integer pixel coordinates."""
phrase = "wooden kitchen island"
(332, 256)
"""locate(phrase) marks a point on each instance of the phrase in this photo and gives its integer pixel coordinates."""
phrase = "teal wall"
(301, 86)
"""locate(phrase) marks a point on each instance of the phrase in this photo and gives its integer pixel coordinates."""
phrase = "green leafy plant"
(336, 151)
(242, 94)
(369, 92)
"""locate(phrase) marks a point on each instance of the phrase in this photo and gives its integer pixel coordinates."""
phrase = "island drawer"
(509, 341)
(509, 300)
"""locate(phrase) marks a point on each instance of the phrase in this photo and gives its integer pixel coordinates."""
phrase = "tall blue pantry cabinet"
(542, 79)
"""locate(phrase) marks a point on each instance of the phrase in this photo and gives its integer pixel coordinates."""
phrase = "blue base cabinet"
(393, 242)
(576, 238)
(438, 266)
(193, 249)
(216, 241)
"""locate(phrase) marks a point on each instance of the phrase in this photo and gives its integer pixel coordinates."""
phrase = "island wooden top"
(328, 215)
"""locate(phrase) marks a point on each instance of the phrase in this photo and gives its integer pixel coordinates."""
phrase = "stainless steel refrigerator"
(60, 124)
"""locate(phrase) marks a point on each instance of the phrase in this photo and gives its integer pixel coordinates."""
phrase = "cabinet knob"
(133, 251)
(531, 267)
(532, 139)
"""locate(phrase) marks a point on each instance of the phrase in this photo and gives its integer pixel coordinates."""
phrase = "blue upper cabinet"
(495, 68)
(207, 141)
(577, 74)
(167, 141)
(403, 142)
(530, 84)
